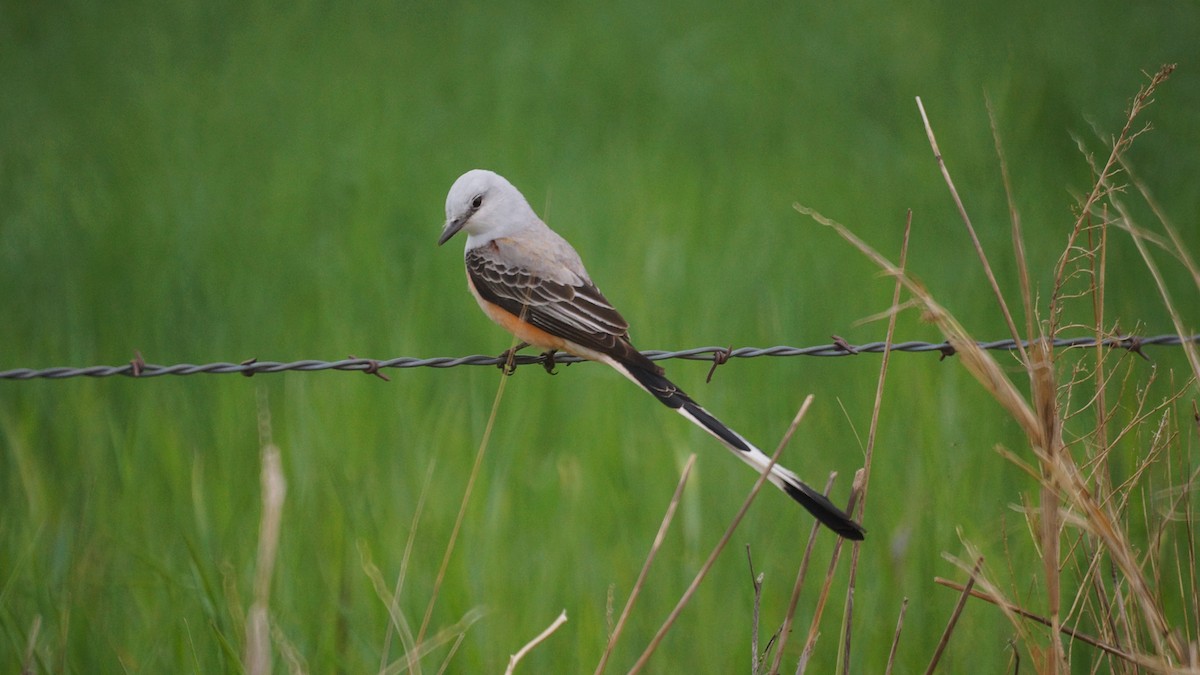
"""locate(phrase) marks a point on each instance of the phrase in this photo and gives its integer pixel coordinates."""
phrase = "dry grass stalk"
(1139, 238)
(814, 625)
(785, 630)
(962, 212)
(974, 359)
(1018, 237)
(466, 498)
(451, 652)
(1045, 401)
(860, 482)
(870, 451)
(984, 579)
(1080, 521)
(958, 608)
(737, 519)
(1175, 247)
(756, 581)
(516, 658)
(1024, 613)
(896, 638)
(256, 655)
(641, 580)
(1102, 186)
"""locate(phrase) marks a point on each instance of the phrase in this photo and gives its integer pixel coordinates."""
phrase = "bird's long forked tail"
(650, 379)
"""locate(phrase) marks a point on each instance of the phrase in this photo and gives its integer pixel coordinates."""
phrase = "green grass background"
(214, 181)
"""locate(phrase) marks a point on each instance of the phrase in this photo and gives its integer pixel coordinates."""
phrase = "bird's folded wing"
(577, 312)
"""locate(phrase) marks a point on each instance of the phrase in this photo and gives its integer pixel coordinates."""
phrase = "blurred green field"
(220, 181)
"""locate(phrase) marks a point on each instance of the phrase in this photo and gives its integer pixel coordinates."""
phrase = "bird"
(532, 282)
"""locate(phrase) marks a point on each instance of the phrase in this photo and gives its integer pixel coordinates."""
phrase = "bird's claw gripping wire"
(547, 361)
(507, 359)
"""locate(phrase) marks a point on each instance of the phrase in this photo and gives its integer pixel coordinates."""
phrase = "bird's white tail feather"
(757, 459)
(665, 391)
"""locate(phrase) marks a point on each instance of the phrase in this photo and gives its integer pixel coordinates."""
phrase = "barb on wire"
(717, 355)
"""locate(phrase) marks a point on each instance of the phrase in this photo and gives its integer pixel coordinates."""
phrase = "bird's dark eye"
(477, 201)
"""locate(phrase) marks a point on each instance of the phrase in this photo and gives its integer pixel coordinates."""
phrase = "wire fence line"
(717, 355)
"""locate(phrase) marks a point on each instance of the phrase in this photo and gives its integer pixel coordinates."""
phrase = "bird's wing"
(548, 295)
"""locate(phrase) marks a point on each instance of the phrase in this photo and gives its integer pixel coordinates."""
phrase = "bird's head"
(485, 205)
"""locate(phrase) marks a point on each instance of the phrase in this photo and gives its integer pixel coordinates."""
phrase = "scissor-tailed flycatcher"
(531, 282)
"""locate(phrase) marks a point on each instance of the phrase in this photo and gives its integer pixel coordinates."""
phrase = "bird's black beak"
(452, 227)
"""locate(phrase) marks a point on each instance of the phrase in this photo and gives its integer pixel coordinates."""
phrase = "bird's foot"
(548, 361)
(507, 365)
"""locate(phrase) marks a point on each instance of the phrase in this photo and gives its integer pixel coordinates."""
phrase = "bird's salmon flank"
(532, 283)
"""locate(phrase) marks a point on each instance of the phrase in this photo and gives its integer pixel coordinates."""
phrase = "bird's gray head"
(485, 205)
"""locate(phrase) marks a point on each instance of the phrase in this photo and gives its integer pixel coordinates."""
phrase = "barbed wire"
(717, 355)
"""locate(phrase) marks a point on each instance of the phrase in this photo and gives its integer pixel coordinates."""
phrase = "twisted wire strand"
(717, 355)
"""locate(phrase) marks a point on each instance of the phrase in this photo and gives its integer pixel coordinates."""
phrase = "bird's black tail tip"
(823, 510)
